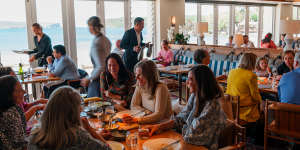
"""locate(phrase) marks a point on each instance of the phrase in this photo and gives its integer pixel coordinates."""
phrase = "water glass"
(132, 140)
(92, 106)
(29, 73)
(180, 65)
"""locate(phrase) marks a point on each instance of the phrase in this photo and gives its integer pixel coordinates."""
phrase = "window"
(207, 15)
(240, 17)
(49, 15)
(191, 18)
(253, 25)
(13, 33)
(83, 11)
(267, 21)
(144, 9)
(296, 13)
(114, 21)
(223, 24)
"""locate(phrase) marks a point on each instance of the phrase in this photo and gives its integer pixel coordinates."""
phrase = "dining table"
(36, 81)
(172, 134)
(179, 71)
(264, 85)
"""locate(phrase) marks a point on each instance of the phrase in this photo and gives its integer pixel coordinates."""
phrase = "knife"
(171, 144)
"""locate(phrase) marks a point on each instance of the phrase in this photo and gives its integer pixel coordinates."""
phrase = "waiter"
(132, 42)
(100, 49)
(43, 46)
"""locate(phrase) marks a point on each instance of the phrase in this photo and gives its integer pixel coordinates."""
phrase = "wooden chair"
(76, 84)
(285, 124)
(233, 137)
(231, 107)
(171, 83)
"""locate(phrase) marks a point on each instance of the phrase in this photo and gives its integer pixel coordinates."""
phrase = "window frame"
(231, 20)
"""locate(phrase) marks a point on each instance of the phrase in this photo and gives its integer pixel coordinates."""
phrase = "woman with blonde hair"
(150, 96)
(61, 127)
(242, 82)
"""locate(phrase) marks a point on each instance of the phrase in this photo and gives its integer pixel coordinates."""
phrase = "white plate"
(159, 143)
(115, 145)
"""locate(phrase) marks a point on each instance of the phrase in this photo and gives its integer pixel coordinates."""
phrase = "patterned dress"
(84, 142)
(12, 129)
(202, 127)
(124, 90)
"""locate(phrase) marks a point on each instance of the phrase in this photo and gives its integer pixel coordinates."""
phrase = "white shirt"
(248, 45)
(118, 51)
(138, 37)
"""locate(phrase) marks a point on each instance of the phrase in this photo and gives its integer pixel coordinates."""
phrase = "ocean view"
(16, 39)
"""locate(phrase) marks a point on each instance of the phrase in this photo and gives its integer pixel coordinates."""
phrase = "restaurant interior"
(150, 74)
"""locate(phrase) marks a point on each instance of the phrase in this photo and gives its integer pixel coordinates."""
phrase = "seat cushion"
(221, 67)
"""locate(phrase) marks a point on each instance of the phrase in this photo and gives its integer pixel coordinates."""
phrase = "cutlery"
(171, 144)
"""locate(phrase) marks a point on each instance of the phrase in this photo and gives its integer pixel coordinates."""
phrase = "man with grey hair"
(132, 42)
(288, 90)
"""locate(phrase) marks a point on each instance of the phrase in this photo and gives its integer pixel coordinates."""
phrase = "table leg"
(34, 93)
(180, 88)
(187, 92)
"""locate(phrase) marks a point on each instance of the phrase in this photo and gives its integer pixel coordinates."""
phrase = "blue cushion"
(217, 66)
(220, 66)
(185, 59)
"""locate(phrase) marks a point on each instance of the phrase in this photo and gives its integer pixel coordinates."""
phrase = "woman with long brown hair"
(61, 127)
(116, 82)
(150, 95)
(202, 119)
(12, 118)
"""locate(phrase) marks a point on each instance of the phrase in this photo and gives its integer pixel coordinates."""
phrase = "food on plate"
(126, 126)
(39, 69)
(110, 127)
(128, 118)
(86, 100)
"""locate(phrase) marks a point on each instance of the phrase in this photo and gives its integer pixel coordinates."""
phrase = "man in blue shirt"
(288, 88)
(62, 67)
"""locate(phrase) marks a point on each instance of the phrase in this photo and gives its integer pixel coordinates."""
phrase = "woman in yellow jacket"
(243, 82)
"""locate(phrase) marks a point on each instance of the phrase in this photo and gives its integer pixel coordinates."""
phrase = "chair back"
(284, 121)
(233, 137)
(231, 107)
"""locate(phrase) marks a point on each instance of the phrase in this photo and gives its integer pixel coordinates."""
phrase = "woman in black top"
(287, 65)
(43, 46)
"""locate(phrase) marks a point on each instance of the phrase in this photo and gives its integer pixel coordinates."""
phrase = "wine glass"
(110, 110)
(99, 115)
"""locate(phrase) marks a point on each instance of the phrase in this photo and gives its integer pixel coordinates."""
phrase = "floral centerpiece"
(183, 35)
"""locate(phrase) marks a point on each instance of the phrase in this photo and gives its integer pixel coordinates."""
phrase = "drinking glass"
(110, 110)
(99, 115)
(180, 65)
(132, 140)
(92, 106)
